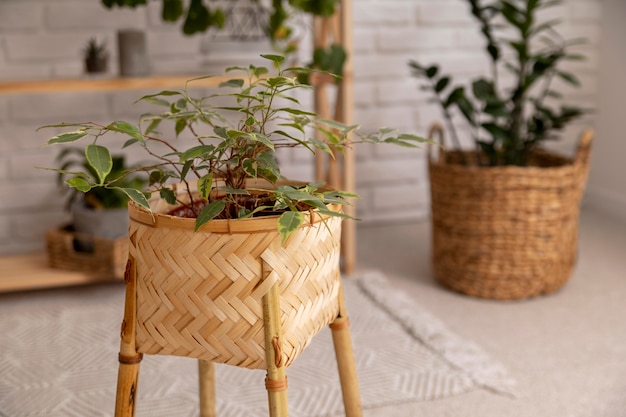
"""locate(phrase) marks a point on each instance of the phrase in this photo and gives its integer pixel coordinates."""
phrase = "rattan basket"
(73, 251)
(506, 232)
(200, 294)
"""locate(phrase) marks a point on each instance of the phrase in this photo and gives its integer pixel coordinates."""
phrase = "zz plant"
(230, 143)
(508, 122)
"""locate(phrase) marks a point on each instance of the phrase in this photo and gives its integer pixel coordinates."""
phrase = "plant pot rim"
(158, 218)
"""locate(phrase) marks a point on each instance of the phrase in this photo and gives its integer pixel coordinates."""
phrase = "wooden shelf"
(31, 271)
(105, 84)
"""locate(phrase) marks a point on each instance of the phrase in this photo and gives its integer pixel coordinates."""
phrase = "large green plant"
(509, 121)
(230, 143)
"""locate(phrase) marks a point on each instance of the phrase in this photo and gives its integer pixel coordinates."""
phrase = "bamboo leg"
(206, 375)
(128, 374)
(276, 380)
(345, 361)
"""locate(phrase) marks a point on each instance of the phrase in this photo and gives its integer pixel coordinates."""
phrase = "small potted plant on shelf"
(96, 57)
(505, 215)
(217, 214)
(101, 211)
(96, 239)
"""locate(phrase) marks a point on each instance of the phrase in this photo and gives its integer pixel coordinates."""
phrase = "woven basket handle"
(436, 130)
(584, 147)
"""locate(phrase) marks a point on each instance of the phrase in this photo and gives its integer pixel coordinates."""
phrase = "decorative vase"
(133, 55)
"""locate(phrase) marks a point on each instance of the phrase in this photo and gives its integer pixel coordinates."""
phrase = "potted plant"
(100, 211)
(505, 214)
(220, 222)
(96, 57)
(96, 239)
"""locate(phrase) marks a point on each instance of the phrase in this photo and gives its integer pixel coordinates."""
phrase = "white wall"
(606, 189)
(42, 39)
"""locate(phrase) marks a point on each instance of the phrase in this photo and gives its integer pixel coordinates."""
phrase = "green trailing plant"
(72, 159)
(230, 143)
(508, 122)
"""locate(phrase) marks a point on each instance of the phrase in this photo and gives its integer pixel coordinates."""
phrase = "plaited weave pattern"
(507, 232)
(200, 294)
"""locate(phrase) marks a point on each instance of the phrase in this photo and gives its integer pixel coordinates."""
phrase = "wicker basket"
(201, 294)
(80, 252)
(506, 232)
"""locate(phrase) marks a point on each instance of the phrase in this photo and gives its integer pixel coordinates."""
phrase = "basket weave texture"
(507, 232)
(201, 294)
(105, 257)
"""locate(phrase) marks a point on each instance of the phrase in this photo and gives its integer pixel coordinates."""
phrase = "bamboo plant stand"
(276, 380)
(232, 292)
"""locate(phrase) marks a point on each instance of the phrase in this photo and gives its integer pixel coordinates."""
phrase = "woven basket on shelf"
(506, 232)
(200, 294)
(67, 249)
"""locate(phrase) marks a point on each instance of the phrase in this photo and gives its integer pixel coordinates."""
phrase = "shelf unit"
(105, 84)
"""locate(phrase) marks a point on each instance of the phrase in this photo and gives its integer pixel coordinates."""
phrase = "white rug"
(58, 357)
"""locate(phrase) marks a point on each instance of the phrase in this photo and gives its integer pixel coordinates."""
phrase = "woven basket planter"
(73, 251)
(201, 294)
(507, 232)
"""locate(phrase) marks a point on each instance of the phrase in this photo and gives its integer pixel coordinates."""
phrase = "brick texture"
(40, 39)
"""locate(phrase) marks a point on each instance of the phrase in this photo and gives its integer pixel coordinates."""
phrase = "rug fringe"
(421, 324)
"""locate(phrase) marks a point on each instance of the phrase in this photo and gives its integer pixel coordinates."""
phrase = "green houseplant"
(100, 211)
(95, 240)
(96, 56)
(505, 222)
(229, 262)
(224, 154)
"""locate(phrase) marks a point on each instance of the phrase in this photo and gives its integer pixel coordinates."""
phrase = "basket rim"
(255, 224)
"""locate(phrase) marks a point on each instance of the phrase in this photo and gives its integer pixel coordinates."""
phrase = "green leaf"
(259, 137)
(162, 93)
(135, 195)
(168, 195)
(67, 137)
(205, 184)
(260, 71)
(442, 84)
(197, 152)
(321, 145)
(289, 222)
(569, 78)
(483, 89)
(277, 59)
(251, 167)
(181, 124)
(125, 127)
(236, 83)
(209, 213)
(237, 191)
(186, 167)
(100, 160)
(432, 71)
(172, 10)
(79, 183)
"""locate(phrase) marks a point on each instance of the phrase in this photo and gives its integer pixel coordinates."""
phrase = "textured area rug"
(58, 357)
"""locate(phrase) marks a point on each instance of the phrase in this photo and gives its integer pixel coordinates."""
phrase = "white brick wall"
(42, 39)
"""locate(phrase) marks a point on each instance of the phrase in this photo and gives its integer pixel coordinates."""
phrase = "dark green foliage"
(509, 122)
(201, 15)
